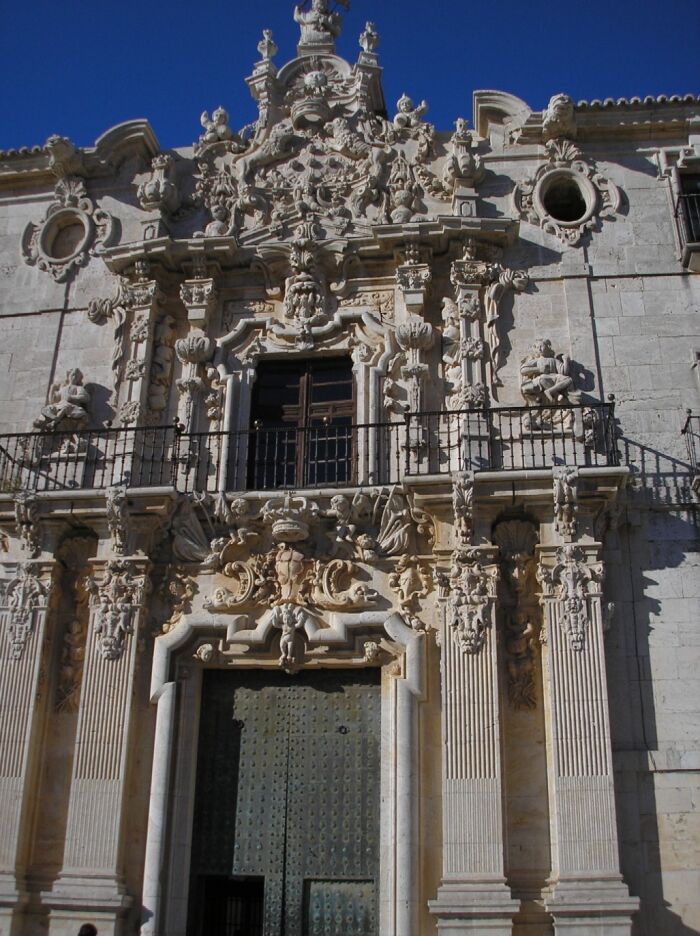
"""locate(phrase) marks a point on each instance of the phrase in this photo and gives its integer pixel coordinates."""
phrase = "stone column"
(24, 604)
(90, 886)
(473, 896)
(587, 894)
(154, 871)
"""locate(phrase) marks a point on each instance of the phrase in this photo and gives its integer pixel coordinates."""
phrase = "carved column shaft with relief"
(473, 884)
(585, 861)
(91, 863)
(23, 640)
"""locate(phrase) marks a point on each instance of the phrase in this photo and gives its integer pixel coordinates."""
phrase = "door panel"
(288, 790)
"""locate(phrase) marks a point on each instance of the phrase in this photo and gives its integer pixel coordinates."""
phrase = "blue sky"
(77, 68)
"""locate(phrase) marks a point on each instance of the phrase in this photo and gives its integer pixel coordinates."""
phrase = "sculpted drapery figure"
(544, 375)
(69, 405)
(318, 25)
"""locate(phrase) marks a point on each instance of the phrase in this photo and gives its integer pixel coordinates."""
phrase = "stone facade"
(515, 553)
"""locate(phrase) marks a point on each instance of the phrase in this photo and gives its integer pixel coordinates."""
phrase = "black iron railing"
(691, 431)
(688, 217)
(325, 455)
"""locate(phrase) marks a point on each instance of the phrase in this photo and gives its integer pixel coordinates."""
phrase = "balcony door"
(286, 819)
(301, 424)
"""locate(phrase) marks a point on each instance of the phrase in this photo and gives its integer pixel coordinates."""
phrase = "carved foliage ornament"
(567, 194)
(22, 598)
(72, 230)
(115, 600)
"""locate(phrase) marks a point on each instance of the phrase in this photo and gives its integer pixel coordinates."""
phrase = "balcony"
(321, 456)
(691, 431)
(688, 221)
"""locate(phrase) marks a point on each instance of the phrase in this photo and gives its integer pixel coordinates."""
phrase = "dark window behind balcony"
(301, 424)
(689, 203)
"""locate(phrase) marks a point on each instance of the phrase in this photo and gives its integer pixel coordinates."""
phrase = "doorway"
(286, 823)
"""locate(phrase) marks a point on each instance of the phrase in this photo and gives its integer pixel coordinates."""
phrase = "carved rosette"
(115, 601)
(571, 584)
(23, 597)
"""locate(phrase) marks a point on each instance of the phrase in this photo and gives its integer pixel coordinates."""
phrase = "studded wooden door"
(286, 824)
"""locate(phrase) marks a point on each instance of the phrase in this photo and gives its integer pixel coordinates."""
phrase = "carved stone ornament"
(544, 377)
(567, 195)
(27, 522)
(159, 192)
(70, 672)
(565, 481)
(559, 119)
(72, 230)
(472, 590)
(462, 506)
(411, 580)
(21, 598)
(571, 581)
(68, 409)
(117, 508)
(115, 600)
(519, 608)
(287, 575)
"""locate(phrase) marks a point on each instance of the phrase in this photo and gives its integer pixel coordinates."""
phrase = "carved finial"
(267, 47)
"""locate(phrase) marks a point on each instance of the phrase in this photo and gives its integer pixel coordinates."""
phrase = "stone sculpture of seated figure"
(409, 117)
(69, 408)
(544, 376)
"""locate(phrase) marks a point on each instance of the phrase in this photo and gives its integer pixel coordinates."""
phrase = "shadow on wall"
(650, 543)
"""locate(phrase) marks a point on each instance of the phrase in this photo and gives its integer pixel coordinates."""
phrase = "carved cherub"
(216, 127)
(409, 117)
